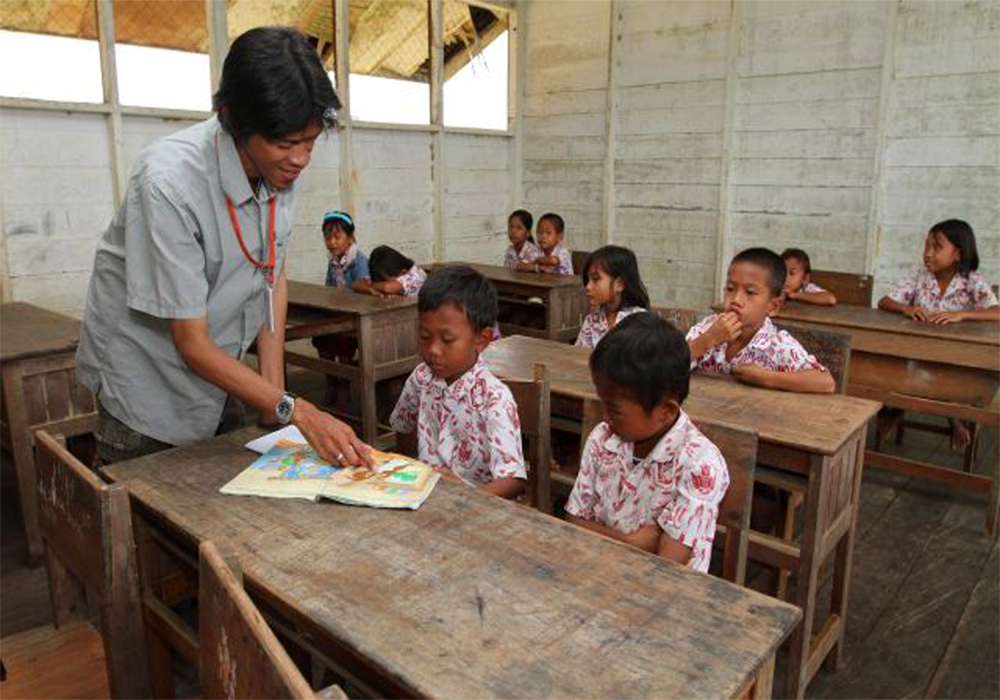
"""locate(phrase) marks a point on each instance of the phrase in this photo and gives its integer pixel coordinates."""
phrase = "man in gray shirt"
(191, 271)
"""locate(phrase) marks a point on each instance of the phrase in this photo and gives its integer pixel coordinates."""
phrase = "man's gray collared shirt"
(171, 253)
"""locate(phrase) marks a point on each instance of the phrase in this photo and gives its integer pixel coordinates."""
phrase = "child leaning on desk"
(743, 341)
(648, 476)
(392, 274)
(464, 418)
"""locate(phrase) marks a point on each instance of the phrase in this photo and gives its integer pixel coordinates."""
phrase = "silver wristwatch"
(285, 408)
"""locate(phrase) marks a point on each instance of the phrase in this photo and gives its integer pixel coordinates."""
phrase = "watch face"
(284, 409)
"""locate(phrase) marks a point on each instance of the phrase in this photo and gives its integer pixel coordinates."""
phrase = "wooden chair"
(832, 349)
(239, 656)
(86, 528)
(592, 414)
(579, 258)
(681, 318)
(739, 449)
(533, 399)
(850, 289)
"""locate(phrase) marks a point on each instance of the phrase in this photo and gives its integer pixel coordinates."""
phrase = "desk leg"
(993, 508)
(553, 314)
(808, 577)
(760, 686)
(366, 365)
(845, 556)
(22, 446)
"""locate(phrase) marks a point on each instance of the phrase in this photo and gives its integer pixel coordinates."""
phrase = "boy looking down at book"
(463, 418)
(743, 341)
(648, 476)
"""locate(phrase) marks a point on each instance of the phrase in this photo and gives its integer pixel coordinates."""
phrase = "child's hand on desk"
(726, 329)
(945, 316)
(917, 313)
(334, 440)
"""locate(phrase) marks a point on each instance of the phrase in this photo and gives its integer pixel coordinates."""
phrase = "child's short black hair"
(387, 263)
(797, 254)
(556, 221)
(273, 84)
(621, 263)
(463, 288)
(646, 355)
(770, 261)
(960, 235)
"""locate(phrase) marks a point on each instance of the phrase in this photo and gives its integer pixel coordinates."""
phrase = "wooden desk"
(40, 391)
(385, 328)
(821, 437)
(470, 596)
(950, 370)
(565, 304)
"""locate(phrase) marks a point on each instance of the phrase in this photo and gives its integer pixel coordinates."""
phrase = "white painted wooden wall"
(56, 198)
(846, 128)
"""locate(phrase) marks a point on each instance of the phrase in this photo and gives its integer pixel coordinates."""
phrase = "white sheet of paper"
(266, 442)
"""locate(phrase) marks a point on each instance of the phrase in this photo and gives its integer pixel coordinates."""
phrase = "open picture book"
(292, 469)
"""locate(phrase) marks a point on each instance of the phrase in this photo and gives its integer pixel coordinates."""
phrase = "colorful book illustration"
(294, 470)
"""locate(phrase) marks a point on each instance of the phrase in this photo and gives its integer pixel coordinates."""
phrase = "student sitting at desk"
(648, 476)
(743, 342)
(465, 419)
(553, 257)
(948, 289)
(614, 289)
(522, 247)
(797, 284)
(348, 266)
(392, 273)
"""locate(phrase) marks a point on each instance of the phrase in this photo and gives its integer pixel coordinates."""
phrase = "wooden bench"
(86, 528)
(849, 288)
(239, 656)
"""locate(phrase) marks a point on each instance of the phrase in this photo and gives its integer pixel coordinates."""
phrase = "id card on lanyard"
(268, 266)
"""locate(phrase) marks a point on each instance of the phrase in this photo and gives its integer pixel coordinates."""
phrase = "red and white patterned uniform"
(595, 325)
(470, 427)
(770, 348)
(565, 266)
(920, 288)
(412, 280)
(678, 486)
(529, 252)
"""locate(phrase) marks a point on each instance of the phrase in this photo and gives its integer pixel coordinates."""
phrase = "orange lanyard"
(268, 266)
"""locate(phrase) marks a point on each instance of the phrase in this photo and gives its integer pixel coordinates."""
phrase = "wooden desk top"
(817, 423)
(498, 273)
(27, 330)
(860, 317)
(342, 301)
(471, 595)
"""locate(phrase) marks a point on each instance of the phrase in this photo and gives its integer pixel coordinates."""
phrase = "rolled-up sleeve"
(165, 261)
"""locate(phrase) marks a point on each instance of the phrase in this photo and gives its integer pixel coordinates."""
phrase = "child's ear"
(774, 305)
(666, 411)
(619, 285)
(483, 338)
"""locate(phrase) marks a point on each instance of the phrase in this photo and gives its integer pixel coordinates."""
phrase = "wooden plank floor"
(924, 618)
